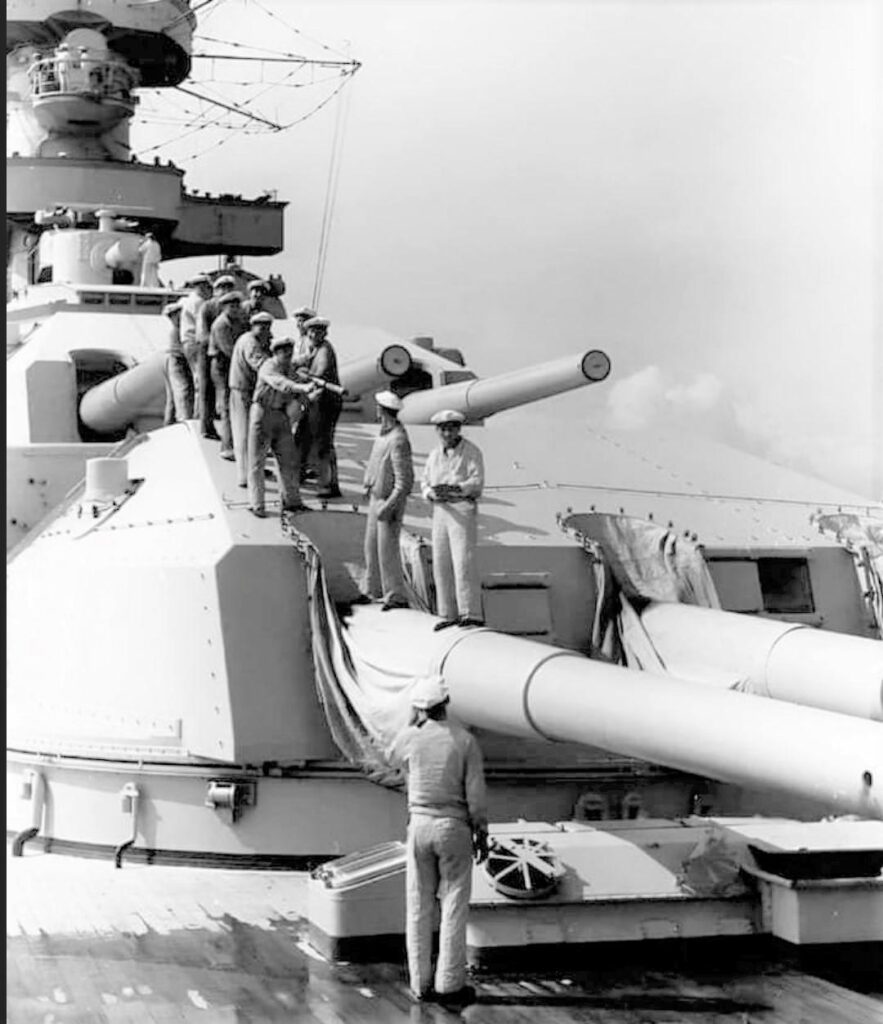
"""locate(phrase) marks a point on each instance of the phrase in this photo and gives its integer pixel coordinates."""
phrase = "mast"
(72, 78)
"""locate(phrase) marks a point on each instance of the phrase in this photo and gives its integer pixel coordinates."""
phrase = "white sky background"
(694, 187)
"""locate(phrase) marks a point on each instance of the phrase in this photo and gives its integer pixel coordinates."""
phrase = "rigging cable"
(330, 194)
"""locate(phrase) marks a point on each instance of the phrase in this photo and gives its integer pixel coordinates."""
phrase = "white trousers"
(454, 563)
(240, 403)
(383, 558)
(438, 867)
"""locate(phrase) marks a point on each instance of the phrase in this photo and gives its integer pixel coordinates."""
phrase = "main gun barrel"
(115, 403)
(373, 372)
(789, 661)
(483, 397)
(524, 688)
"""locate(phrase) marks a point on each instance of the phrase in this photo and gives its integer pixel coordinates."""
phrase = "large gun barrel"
(524, 688)
(115, 403)
(785, 660)
(479, 398)
(374, 372)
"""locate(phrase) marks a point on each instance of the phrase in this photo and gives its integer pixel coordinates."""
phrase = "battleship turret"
(212, 690)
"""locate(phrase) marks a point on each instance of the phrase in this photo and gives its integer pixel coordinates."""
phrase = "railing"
(87, 76)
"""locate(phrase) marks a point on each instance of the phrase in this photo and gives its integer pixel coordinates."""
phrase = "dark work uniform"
(316, 429)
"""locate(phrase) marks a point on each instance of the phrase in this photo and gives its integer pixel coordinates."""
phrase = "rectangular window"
(92, 298)
(121, 300)
(517, 603)
(785, 585)
(455, 376)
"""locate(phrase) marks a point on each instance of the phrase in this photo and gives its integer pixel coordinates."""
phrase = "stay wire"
(345, 102)
(297, 31)
(330, 198)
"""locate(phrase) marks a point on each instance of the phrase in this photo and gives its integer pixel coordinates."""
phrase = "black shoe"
(242, 485)
(331, 492)
(362, 599)
(261, 513)
(211, 435)
(390, 606)
(444, 624)
(300, 507)
(462, 997)
(466, 621)
(429, 996)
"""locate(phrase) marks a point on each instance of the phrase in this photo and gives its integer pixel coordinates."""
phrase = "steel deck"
(89, 943)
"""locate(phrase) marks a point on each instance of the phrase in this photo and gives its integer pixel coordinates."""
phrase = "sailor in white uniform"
(453, 479)
(389, 477)
(447, 824)
(151, 256)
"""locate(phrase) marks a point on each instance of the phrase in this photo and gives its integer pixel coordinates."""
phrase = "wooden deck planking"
(162, 945)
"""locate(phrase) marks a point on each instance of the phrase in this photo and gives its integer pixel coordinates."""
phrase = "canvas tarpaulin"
(364, 676)
(863, 537)
(635, 561)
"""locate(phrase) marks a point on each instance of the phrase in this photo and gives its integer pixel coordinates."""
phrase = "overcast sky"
(694, 187)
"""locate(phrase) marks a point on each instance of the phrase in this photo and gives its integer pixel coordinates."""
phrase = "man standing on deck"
(179, 380)
(453, 478)
(278, 403)
(249, 352)
(227, 327)
(389, 477)
(257, 297)
(191, 307)
(151, 256)
(447, 824)
(209, 310)
(303, 348)
(316, 430)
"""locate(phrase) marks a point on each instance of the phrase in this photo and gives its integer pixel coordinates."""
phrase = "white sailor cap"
(317, 321)
(304, 312)
(258, 284)
(429, 692)
(261, 318)
(199, 279)
(388, 400)
(447, 416)
(281, 343)
(225, 281)
(230, 297)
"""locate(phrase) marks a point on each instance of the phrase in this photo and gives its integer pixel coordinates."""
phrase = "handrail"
(96, 77)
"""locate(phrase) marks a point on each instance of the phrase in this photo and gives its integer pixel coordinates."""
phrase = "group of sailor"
(283, 396)
(215, 370)
(453, 479)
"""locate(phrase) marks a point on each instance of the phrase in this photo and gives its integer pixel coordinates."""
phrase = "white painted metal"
(787, 661)
(119, 401)
(373, 372)
(480, 398)
(106, 478)
(525, 688)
